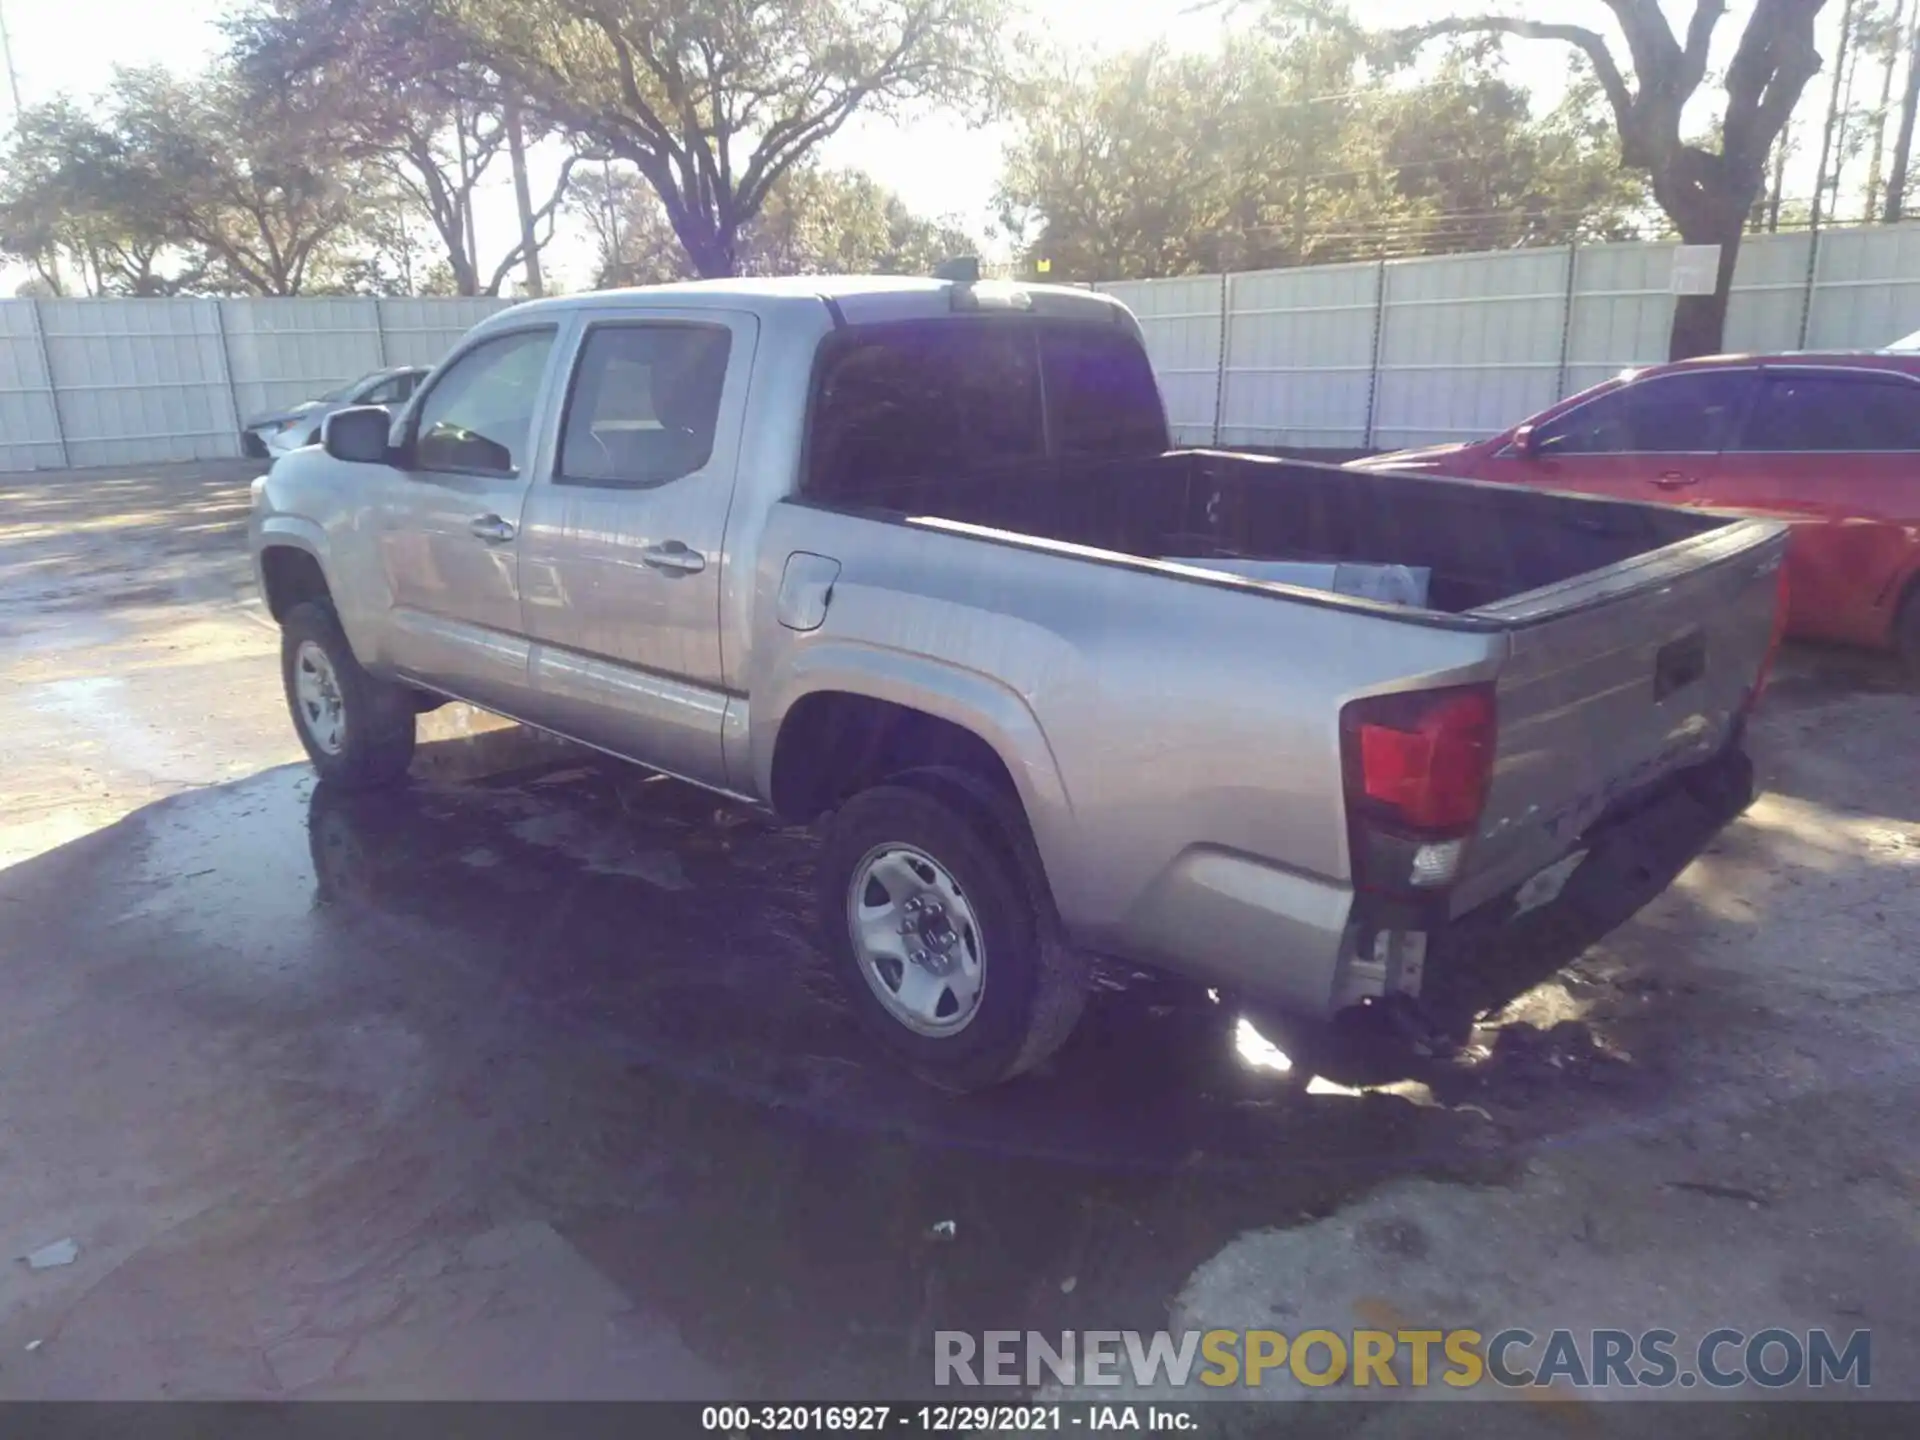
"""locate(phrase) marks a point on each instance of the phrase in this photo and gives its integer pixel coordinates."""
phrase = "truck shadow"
(810, 1214)
(533, 988)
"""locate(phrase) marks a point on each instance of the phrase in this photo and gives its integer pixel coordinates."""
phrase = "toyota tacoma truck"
(914, 560)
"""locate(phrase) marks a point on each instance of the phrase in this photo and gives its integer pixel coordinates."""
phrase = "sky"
(937, 164)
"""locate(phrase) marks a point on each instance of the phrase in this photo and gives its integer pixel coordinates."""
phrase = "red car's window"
(1692, 412)
(1803, 412)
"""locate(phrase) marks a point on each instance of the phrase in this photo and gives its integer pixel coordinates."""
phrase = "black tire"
(376, 743)
(1033, 986)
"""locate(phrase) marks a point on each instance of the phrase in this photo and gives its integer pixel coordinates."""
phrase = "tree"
(1290, 147)
(714, 101)
(1163, 163)
(1903, 141)
(815, 222)
(633, 242)
(72, 206)
(1707, 190)
(843, 222)
(392, 85)
(1465, 151)
(270, 204)
(1888, 38)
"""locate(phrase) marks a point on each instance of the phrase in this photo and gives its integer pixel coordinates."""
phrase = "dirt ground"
(528, 1081)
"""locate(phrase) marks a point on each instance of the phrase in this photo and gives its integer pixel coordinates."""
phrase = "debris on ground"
(50, 1257)
(942, 1230)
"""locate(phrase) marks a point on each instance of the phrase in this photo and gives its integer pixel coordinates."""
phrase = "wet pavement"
(345, 1038)
(344, 1033)
(528, 1080)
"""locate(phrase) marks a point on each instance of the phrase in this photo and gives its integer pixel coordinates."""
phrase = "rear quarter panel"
(1159, 729)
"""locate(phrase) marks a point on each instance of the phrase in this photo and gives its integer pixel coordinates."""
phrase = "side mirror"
(358, 433)
(1526, 443)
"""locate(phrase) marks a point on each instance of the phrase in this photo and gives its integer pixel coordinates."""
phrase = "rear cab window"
(923, 399)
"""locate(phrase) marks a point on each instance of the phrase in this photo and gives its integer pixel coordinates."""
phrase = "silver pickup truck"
(915, 559)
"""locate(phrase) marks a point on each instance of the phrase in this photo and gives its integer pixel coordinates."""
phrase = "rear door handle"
(675, 557)
(492, 529)
(1674, 479)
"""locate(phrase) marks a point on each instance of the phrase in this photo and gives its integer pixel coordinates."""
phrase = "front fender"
(297, 532)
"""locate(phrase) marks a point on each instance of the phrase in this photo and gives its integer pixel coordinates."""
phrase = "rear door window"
(1101, 392)
(924, 399)
(1688, 413)
(1801, 412)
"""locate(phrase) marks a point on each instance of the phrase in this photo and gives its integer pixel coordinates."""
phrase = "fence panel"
(1867, 290)
(284, 351)
(1469, 343)
(421, 332)
(149, 381)
(29, 423)
(1769, 288)
(1299, 357)
(1622, 311)
(139, 380)
(1181, 322)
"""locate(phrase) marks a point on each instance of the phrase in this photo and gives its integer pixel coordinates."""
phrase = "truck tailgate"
(1614, 681)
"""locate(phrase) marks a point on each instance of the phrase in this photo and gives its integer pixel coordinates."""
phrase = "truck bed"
(1626, 638)
(1484, 544)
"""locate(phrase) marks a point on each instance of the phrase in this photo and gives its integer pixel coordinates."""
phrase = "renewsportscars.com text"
(1514, 1358)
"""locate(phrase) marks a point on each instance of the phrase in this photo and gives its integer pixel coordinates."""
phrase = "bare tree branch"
(1590, 43)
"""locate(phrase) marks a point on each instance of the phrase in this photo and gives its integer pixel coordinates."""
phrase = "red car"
(1828, 442)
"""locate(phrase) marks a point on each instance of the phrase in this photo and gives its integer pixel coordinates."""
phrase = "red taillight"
(1774, 638)
(1425, 758)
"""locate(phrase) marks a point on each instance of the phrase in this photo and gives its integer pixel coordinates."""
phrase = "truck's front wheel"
(357, 729)
(939, 942)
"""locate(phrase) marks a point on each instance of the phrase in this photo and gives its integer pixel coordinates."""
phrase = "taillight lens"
(1417, 769)
(1422, 760)
(1774, 637)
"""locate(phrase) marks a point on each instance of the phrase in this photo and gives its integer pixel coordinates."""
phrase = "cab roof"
(854, 299)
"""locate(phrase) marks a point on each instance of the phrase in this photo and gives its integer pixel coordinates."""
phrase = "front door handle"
(1674, 479)
(675, 557)
(492, 529)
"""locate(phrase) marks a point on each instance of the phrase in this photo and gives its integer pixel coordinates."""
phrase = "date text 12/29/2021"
(942, 1419)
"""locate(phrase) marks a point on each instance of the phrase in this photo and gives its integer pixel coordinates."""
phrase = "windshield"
(341, 392)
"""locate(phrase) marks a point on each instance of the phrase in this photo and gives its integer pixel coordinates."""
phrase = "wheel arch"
(871, 716)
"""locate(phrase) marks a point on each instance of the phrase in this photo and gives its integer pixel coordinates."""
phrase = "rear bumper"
(1464, 966)
(1307, 948)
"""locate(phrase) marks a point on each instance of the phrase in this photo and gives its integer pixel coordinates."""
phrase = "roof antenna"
(961, 269)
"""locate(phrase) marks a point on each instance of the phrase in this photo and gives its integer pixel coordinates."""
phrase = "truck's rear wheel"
(939, 942)
(357, 730)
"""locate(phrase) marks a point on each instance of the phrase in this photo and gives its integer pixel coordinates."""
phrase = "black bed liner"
(1483, 543)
